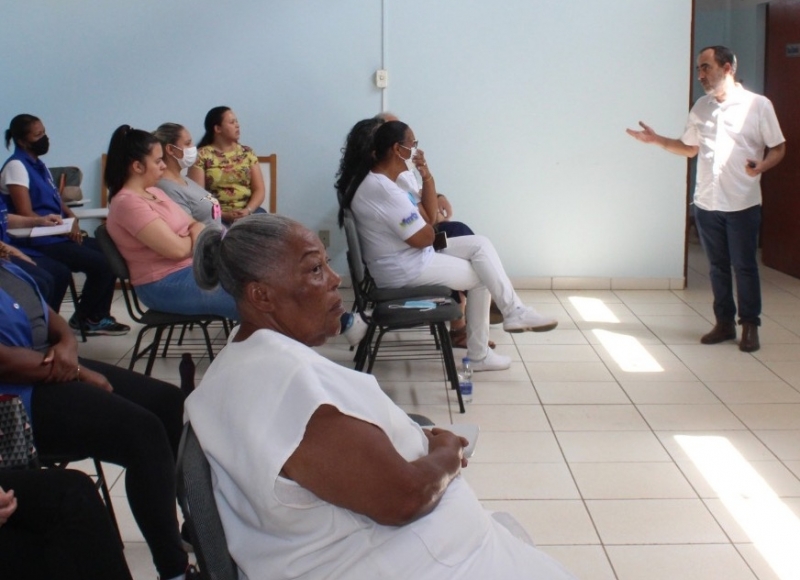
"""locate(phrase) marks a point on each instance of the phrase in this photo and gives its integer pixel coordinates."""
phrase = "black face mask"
(41, 146)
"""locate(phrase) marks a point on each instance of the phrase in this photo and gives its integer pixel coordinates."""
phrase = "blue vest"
(4, 221)
(43, 193)
(16, 329)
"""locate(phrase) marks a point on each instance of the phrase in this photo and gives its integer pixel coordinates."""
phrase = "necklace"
(147, 195)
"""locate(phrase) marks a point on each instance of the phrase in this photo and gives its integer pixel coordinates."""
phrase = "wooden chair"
(270, 181)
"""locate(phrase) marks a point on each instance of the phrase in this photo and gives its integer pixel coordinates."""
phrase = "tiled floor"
(628, 450)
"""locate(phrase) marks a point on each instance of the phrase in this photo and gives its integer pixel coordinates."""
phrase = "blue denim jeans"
(178, 293)
(730, 239)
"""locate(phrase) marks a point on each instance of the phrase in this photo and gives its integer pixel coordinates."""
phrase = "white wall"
(521, 106)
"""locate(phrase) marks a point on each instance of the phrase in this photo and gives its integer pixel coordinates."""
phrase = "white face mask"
(189, 157)
(409, 162)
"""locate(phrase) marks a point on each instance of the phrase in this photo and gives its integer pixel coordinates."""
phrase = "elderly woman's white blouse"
(250, 413)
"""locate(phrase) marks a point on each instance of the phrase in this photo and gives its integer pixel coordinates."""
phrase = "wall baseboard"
(577, 283)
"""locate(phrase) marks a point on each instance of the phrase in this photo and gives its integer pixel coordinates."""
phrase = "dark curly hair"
(357, 159)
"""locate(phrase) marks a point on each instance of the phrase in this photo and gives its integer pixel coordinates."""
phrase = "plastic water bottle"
(465, 380)
(186, 370)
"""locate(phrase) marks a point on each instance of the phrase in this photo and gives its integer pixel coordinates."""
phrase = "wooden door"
(780, 238)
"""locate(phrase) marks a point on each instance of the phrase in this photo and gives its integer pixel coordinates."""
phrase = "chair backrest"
(354, 248)
(270, 181)
(196, 497)
(119, 267)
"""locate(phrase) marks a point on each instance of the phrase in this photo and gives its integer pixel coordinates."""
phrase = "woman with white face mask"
(179, 155)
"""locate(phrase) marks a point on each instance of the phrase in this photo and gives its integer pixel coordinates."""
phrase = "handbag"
(16, 435)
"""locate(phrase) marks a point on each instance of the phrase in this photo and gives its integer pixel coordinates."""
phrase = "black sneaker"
(107, 326)
(192, 573)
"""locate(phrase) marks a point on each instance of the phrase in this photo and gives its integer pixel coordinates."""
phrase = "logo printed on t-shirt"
(407, 221)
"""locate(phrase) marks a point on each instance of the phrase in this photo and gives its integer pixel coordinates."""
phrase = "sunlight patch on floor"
(628, 352)
(767, 521)
(593, 309)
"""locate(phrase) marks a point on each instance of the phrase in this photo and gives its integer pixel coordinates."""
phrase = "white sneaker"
(492, 362)
(356, 331)
(524, 318)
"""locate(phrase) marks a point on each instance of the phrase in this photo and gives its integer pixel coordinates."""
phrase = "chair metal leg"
(183, 333)
(363, 351)
(136, 354)
(102, 485)
(153, 351)
(208, 340)
(73, 291)
(450, 363)
(168, 340)
(374, 352)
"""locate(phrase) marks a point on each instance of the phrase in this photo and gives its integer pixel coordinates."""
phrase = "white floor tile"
(655, 521)
(611, 446)
(585, 562)
(631, 481)
(551, 522)
(684, 562)
(493, 481)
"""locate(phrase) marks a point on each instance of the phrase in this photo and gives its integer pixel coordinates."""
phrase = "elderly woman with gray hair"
(317, 473)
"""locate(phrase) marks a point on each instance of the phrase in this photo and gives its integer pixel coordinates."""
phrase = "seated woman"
(29, 191)
(358, 153)
(84, 407)
(53, 524)
(180, 154)
(227, 169)
(53, 285)
(397, 244)
(320, 475)
(153, 234)
(407, 181)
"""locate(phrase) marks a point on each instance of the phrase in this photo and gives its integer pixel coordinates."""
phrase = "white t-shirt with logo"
(407, 181)
(386, 216)
(728, 134)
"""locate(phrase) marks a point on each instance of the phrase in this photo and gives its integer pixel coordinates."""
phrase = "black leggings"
(60, 529)
(87, 257)
(138, 427)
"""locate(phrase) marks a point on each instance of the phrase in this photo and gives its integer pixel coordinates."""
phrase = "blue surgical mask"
(421, 305)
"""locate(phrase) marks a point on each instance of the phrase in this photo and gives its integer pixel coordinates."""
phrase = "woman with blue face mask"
(179, 155)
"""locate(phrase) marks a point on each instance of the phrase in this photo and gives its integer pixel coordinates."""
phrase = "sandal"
(458, 338)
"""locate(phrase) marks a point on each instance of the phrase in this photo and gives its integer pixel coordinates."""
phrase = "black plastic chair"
(100, 481)
(151, 319)
(196, 497)
(383, 311)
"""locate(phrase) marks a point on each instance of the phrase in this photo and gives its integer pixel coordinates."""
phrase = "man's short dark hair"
(723, 55)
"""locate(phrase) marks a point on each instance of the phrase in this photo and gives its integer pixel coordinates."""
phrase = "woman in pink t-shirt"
(154, 235)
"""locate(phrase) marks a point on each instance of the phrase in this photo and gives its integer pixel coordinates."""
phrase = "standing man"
(738, 137)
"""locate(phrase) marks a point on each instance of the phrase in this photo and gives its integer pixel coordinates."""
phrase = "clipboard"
(59, 230)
